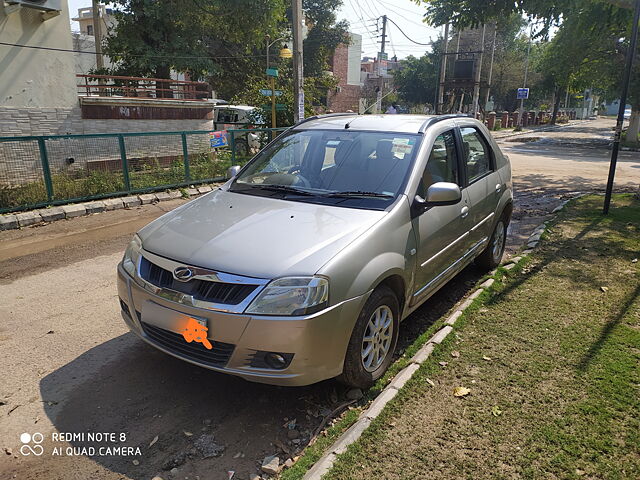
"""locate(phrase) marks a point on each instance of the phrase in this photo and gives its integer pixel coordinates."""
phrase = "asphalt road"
(69, 364)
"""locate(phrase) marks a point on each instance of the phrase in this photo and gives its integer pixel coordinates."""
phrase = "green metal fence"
(38, 171)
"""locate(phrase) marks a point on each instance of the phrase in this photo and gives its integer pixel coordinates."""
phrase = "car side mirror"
(233, 171)
(443, 193)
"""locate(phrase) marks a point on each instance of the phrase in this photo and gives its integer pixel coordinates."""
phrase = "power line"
(131, 54)
(406, 36)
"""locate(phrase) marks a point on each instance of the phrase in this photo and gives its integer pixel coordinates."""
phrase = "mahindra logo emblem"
(183, 274)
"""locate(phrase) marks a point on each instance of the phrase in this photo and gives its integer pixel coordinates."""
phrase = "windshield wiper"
(284, 188)
(358, 193)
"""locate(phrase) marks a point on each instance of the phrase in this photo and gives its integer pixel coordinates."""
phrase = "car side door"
(441, 231)
(483, 183)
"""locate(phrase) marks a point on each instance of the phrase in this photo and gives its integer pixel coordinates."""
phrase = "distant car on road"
(228, 117)
(301, 267)
(627, 113)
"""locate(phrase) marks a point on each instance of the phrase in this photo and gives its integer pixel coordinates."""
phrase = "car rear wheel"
(373, 340)
(491, 257)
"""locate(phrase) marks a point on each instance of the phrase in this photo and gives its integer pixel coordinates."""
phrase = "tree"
(152, 37)
(583, 51)
(417, 80)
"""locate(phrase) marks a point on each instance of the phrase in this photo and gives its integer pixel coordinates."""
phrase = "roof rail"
(315, 117)
(439, 118)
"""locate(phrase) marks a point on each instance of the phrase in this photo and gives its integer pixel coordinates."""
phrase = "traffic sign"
(272, 72)
(279, 106)
(523, 94)
(267, 92)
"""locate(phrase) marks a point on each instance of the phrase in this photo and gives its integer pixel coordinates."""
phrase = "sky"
(362, 15)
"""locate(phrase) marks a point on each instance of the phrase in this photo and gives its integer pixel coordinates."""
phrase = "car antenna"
(348, 124)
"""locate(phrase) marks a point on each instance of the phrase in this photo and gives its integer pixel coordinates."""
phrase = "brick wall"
(344, 97)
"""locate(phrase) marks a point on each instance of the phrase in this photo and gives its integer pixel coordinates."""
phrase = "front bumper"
(318, 342)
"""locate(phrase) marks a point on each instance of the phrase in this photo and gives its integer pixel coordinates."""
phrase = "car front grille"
(214, 292)
(218, 356)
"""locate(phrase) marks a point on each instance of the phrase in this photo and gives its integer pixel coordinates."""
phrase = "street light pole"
(298, 73)
(631, 53)
(526, 71)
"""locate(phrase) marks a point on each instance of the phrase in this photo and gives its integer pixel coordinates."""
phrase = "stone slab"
(52, 214)
(95, 207)
(321, 467)
(510, 266)
(175, 194)
(113, 204)
(421, 355)
(131, 202)
(204, 189)
(163, 196)
(8, 222)
(193, 191)
(147, 198)
(487, 283)
(453, 318)
(403, 377)
(71, 211)
(441, 334)
(380, 402)
(28, 218)
(350, 436)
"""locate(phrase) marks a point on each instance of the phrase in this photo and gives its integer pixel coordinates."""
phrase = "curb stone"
(28, 218)
(8, 222)
(12, 221)
(353, 433)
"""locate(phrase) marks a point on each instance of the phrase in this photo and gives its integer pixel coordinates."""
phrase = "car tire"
(491, 256)
(376, 329)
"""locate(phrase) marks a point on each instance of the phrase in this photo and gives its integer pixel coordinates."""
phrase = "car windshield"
(350, 168)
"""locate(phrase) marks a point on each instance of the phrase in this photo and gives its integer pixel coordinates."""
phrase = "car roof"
(235, 107)
(402, 123)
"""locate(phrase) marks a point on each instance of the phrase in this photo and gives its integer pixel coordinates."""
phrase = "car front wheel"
(373, 340)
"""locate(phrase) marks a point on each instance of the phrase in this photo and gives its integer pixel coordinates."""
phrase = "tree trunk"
(556, 104)
(162, 88)
(634, 127)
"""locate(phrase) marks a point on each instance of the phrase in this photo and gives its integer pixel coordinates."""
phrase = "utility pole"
(631, 53)
(476, 80)
(493, 51)
(298, 74)
(526, 72)
(97, 33)
(380, 56)
(443, 69)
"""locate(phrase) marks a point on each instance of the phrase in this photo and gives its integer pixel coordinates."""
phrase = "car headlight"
(292, 296)
(132, 255)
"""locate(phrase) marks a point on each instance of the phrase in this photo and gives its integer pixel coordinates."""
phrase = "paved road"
(69, 364)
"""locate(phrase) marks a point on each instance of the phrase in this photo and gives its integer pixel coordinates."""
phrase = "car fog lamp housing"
(292, 296)
(132, 256)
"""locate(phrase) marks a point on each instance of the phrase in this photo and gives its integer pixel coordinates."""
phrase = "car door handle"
(464, 212)
(498, 188)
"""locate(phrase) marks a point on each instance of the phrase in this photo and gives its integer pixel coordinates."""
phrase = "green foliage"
(148, 174)
(417, 80)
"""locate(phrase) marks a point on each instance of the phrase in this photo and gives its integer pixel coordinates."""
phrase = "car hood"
(255, 236)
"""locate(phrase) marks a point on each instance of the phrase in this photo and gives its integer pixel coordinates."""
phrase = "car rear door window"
(476, 154)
